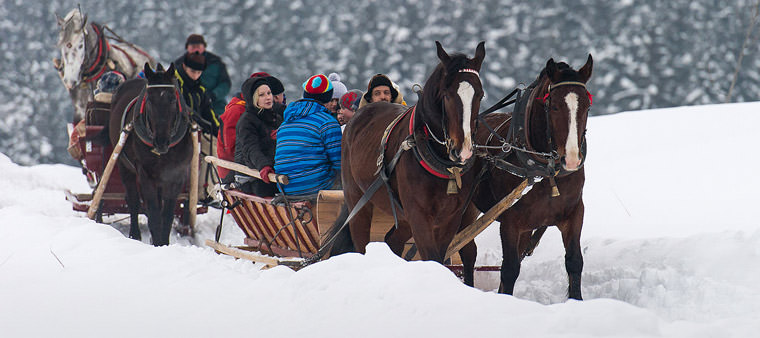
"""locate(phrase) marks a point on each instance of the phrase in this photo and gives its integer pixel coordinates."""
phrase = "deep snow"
(670, 247)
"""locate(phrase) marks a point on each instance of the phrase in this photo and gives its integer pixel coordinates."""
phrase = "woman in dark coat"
(256, 131)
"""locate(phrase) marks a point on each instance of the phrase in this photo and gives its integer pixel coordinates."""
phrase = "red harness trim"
(424, 164)
(101, 41)
(129, 57)
(432, 171)
(411, 120)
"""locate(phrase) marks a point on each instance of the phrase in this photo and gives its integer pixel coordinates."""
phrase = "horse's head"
(567, 103)
(71, 40)
(460, 92)
(161, 111)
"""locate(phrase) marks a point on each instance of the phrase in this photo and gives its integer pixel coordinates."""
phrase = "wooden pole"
(192, 200)
(234, 252)
(469, 233)
(282, 179)
(95, 203)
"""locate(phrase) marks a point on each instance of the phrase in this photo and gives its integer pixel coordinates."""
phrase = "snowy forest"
(647, 53)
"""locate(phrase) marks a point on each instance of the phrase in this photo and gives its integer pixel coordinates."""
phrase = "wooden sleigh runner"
(280, 232)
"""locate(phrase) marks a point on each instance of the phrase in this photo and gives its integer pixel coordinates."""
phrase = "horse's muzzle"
(572, 163)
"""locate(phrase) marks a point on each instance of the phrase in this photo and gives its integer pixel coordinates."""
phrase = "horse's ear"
(480, 53)
(170, 70)
(59, 19)
(585, 71)
(551, 68)
(84, 21)
(442, 55)
(148, 71)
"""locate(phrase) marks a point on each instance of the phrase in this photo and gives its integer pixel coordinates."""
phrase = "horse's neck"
(536, 119)
(92, 43)
(429, 113)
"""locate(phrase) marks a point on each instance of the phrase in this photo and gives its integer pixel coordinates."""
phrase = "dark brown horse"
(547, 135)
(433, 141)
(155, 162)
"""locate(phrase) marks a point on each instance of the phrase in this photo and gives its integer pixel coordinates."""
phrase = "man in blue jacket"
(308, 141)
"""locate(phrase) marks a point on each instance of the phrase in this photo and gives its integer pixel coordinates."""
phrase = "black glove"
(205, 125)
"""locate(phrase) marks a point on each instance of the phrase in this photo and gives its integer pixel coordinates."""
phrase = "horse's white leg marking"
(466, 93)
(572, 152)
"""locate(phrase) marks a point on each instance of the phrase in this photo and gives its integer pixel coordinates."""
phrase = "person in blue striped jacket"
(308, 141)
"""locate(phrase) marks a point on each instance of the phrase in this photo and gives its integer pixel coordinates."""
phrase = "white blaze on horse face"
(466, 93)
(572, 150)
(72, 52)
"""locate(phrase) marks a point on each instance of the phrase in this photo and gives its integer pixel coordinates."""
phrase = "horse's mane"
(566, 73)
(458, 62)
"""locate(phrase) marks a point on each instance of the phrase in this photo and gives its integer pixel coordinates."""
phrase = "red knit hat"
(318, 87)
(351, 99)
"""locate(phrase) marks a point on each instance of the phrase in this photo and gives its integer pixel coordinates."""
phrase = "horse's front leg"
(571, 237)
(128, 179)
(469, 252)
(149, 193)
(432, 235)
(167, 216)
(510, 264)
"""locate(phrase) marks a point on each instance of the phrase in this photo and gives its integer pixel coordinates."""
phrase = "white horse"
(87, 53)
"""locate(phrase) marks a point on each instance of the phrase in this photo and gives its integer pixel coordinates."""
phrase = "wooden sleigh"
(108, 196)
(291, 233)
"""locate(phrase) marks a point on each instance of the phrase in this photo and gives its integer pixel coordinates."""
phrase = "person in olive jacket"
(256, 135)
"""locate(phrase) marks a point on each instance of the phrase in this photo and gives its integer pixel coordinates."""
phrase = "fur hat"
(249, 87)
(339, 89)
(109, 81)
(275, 85)
(380, 80)
(318, 87)
(195, 61)
(351, 99)
(195, 39)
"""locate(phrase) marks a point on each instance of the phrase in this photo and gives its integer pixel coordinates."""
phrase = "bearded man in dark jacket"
(256, 134)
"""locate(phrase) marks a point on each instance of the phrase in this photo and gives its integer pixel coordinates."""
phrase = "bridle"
(446, 140)
(554, 156)
(141, 122)
(530, 162)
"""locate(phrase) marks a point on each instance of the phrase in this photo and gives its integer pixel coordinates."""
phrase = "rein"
(140, 119)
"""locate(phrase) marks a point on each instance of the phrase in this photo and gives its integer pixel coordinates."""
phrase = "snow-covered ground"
(670, 245)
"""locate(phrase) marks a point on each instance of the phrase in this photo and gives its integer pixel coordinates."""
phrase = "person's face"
(192, 73)
(196, 47)
(266, 99)
(332, 105)
(345, 115)
(381, 93)
(279, 98)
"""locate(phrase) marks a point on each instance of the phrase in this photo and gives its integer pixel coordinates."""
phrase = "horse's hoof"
(185, 230)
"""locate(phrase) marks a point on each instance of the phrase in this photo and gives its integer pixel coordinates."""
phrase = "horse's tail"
(342, 234)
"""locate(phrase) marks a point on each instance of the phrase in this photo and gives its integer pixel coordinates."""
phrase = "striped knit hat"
(351, 99)
(318, 87)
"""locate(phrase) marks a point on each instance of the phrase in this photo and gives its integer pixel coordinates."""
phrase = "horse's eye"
(68, 45)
